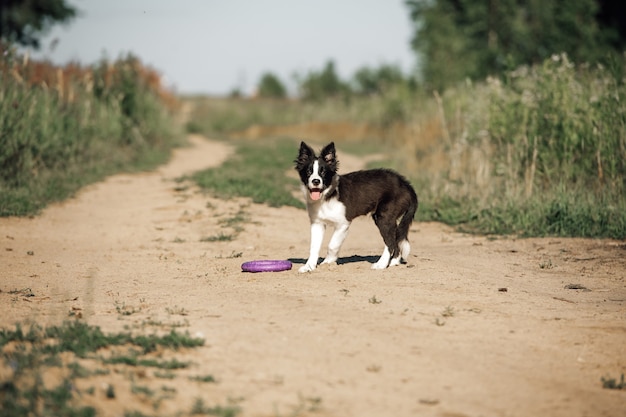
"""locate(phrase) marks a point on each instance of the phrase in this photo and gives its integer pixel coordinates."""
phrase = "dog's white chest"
(331, 211)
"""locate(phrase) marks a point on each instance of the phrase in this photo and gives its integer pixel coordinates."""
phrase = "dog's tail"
(402, 236)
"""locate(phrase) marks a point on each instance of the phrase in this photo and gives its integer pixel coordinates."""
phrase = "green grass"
(220, 237)
(133, 360)
(574, 211)
(220, 117)
(205, 378)
(200, 408)
(566, 213)
(257, 171)
(234, 222)
(75, 349)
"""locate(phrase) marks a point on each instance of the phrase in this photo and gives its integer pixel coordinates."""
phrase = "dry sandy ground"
(472, 326)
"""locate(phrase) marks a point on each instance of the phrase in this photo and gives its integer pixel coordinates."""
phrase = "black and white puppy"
(334, 199)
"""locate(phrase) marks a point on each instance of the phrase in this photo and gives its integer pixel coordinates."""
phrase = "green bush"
(540, 152)
(271, 87)
(566, 125)
(57, 138)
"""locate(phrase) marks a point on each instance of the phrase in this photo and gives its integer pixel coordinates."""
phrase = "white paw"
(395, 261)
(329, 261)
(379, 265)
(306, 268)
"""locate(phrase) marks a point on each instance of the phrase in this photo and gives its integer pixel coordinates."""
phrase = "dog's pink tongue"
(316, 195)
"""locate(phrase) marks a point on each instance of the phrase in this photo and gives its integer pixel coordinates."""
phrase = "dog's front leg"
(317, 236)
(339, 235)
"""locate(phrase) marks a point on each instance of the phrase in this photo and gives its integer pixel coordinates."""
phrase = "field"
(537, 152)
(121, 287)
(144, 270)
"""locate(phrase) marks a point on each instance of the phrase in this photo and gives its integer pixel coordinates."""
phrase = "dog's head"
(316, 172)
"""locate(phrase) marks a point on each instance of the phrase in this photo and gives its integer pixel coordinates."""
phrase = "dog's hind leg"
(388, 229)
(402, 233)
(405, 249)
(403, 253)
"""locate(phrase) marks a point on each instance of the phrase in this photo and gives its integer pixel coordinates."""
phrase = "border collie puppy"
(333, 199)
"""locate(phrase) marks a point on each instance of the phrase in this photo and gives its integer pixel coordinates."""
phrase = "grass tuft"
(612, 383)
(257, 171)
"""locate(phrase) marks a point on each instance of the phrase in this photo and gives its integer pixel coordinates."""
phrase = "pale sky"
(214, 46)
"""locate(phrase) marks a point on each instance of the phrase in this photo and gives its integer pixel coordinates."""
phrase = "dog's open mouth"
(316, 193)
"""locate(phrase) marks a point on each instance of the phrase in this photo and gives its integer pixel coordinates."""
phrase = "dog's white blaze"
(315, 175)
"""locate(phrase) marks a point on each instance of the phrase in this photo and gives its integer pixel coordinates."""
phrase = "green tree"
(320, 85)
(25, 21)
(271, 87)
(612, 19)
(456, 39)
(370, 81)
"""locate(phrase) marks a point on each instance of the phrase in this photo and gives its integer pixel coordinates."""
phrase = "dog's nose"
(316, 182)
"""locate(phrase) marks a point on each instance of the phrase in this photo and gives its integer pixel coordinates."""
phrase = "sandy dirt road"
(471, 326)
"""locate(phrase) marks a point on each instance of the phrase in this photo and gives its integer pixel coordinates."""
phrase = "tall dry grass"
(540, 151)
(63, 127)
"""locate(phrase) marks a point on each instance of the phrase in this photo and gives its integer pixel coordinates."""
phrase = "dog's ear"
(305, 155)
(329, 155)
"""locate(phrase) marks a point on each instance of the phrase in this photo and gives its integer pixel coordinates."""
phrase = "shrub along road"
(471, 326)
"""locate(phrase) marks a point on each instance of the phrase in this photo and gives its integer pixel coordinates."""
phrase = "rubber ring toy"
(266, 266)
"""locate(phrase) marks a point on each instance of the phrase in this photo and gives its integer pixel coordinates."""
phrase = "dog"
(333, 199)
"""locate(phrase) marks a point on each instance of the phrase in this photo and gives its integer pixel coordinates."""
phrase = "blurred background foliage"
(512, 122)
(457, 39)
(25, 21)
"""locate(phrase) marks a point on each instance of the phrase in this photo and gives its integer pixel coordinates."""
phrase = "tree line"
(459, 39)
(317, 85)
(453, 40)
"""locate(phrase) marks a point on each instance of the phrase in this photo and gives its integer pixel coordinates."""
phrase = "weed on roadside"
(448, 312)
(220, 237)
(205, 378)
(180, 311)
(236, 220)
(445, 314)
(612, 383)
(124, 310)
(374, 300)
(200, 408)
